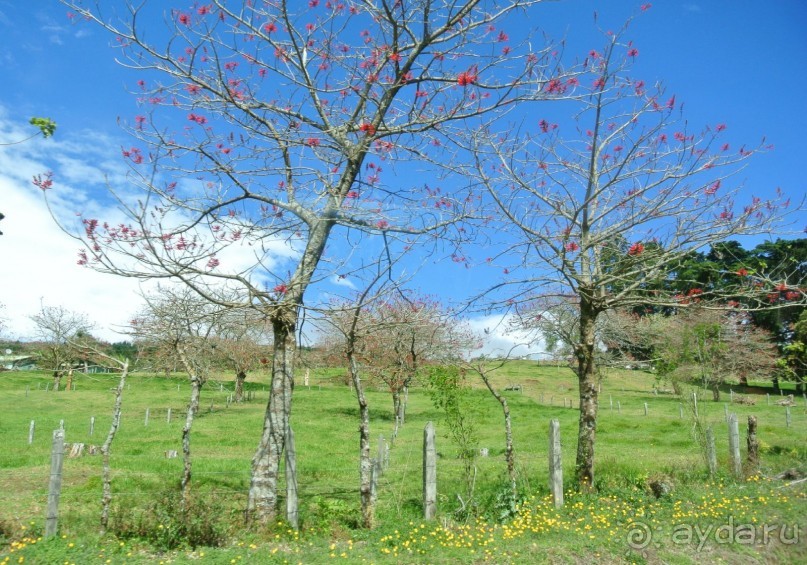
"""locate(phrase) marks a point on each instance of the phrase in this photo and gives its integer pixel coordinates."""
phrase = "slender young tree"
(604, 203)
(268, 127)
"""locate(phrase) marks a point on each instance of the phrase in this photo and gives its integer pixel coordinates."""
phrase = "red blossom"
(636, 249)
(633, 52)
(199, 119)
(312, 142)
(468, 77)
(213, 263)
(184, 19)
(742, 272)
(720, 127)
(571, 246)
(270, 27)
(44, 182)
(645, 7)
(281, 289)
(381, 224)
(712, 188)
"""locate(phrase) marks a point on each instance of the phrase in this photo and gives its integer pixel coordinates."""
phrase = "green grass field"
(632, 449)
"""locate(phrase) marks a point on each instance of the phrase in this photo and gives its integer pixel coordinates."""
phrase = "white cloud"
(39, 267)
(499, 339)
(39, 260)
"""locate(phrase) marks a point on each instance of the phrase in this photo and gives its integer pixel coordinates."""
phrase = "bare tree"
(241, 340)
(180, 321)
(274, 126)
(59, 330)
(407, 331)
(602, 205)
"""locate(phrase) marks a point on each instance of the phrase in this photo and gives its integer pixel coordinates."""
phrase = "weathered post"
(31, 427)
(680, 411)
(555, 464)
(734, 445)
(292, 509)
(619, 407)
(146, 421)
(787, 416)
(695, 402)
(645, 408)
(753, 444)
(429, 473)
(726, 411)
(168, 418)
(92, 425)
(711, 452)
(380, 457)
(55, 486)
(768, 398)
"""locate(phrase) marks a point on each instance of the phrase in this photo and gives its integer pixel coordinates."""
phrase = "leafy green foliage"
(45, 125)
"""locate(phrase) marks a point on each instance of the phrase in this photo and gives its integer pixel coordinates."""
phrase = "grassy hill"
(633, 450)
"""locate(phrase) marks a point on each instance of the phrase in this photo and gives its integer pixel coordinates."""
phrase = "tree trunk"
(240, 377)
(715, 392)
(193, 408)
(263, 491)
(69, 384)
(396, 406)
(57, 380)
(509, 453)
(106, 497)
(587, 378)
(365, 462)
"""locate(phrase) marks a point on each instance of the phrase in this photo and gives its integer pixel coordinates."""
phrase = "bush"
(166, 525)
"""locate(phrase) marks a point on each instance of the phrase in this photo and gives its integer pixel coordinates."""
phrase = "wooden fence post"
(787, 416)
(695, 402)
(55, 486)
(292, 504)
(711, 452)
(146, 421)
(645, 408)
(753, 444)
(380, 457)
(31, 432)
(92, 425)
(734, 445)
(429, 473)
(555, 464)
(168, 418)
(680, 411)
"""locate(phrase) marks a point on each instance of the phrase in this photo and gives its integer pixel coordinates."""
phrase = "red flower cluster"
(467, 78)
(636, 249)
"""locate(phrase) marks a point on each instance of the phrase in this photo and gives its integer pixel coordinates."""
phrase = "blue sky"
(743, 63)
